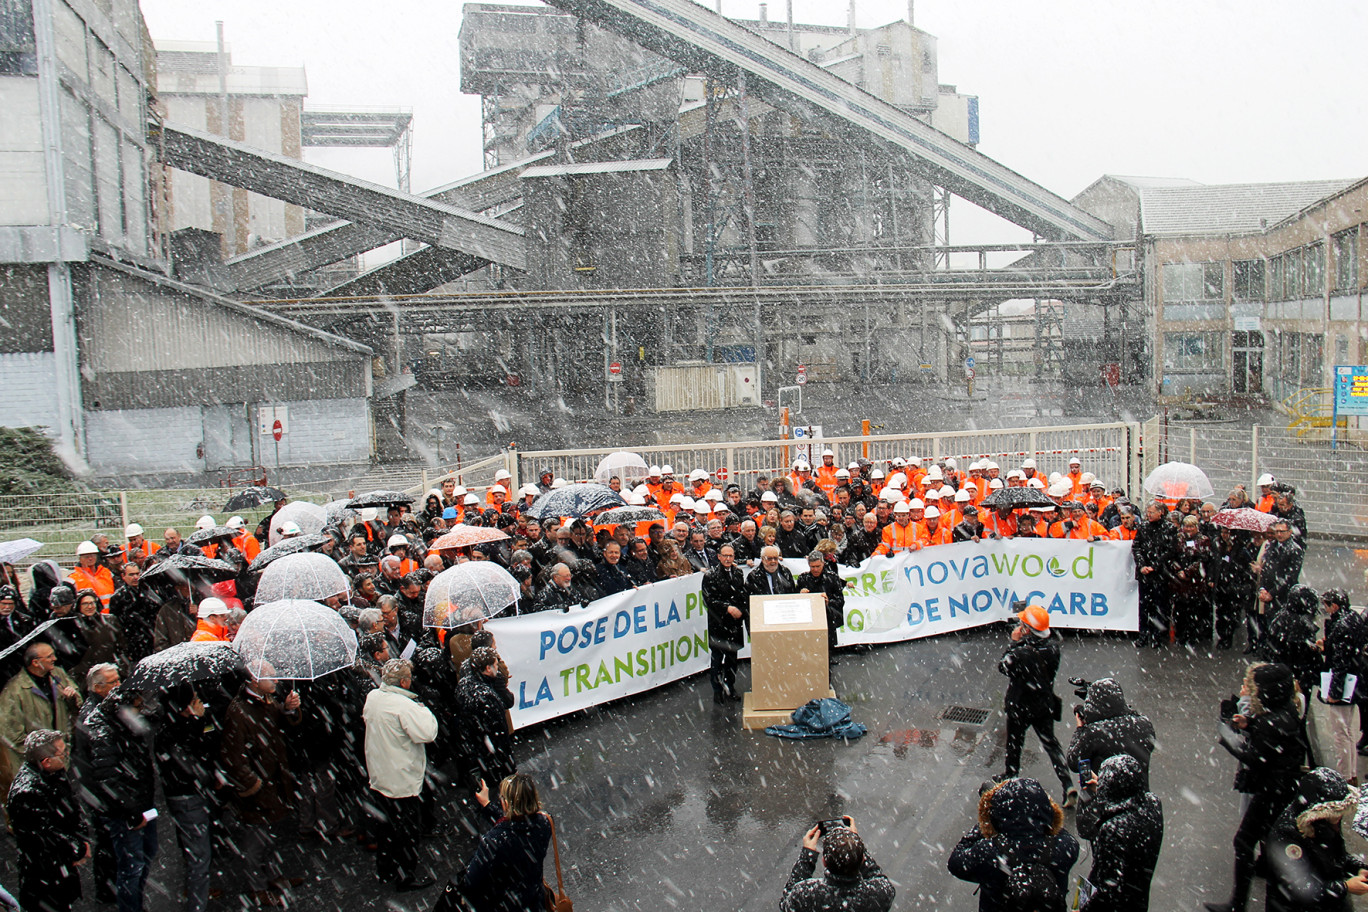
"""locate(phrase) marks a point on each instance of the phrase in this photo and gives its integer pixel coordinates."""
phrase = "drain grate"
(964, 715)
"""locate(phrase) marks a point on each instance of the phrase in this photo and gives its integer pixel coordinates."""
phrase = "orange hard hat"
(1036, 618)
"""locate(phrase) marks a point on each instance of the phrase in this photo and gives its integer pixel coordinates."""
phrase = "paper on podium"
(788, 611)
(1347, 692)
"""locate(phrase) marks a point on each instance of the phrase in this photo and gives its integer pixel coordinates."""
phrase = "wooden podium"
(788, 657)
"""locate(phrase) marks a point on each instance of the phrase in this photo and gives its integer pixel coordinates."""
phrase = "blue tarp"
(824, 718)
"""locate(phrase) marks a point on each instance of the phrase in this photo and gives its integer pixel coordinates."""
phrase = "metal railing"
(478, 474)
(1110, 451)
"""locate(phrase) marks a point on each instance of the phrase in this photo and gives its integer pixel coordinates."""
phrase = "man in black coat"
(484, 700)
(698, 553)
(559, 593)
(112, 768)
(1125, 823)
(1030, 664)
(185, 743)
(1271, 749)
(1108, 727)
(821, 578)
(771, 577)
(135, 607)
(47, 826)
(1342, 649)
(1280, 568)
(852, 882)
(1291, 637)
(1153, 548)
(728, 605)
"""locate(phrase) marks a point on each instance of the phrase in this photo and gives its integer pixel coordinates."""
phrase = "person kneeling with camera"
(852, 881)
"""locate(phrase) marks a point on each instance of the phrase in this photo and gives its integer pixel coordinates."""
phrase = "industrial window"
(1248, 280)
(1194, 282)
(1346, 260)
(1202, 352)
(17, 54)
(1313, 271)
(1277, 268)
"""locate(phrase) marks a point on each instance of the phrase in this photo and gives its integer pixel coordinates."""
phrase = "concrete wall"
(28, 380)
(23, 180)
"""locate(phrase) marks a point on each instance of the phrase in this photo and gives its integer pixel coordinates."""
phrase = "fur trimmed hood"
(1019, 807)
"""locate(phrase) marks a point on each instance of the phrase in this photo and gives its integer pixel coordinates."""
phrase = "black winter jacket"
(50, 834)
(488, 742)
(505, 873)
(1280, 569)
(758, 581)
(1110, 727)
(1030, 666)
(1306, 846)
(831, 584)
(1291, 638)
(135, 608)
(1345, 634)
(870, 890)
(1273, 745)
(724, 586)
(112, 760)
(1125, 823)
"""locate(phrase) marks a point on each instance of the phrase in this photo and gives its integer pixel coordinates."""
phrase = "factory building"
(131, 371)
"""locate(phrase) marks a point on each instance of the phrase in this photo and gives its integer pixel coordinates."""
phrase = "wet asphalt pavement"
(664, 802)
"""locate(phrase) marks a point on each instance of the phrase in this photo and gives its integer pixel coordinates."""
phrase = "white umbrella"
(467, 593)
(18, 549)
(1175, 481)
(307, 575)
(295, 640)
(309, 517)
(628, 466)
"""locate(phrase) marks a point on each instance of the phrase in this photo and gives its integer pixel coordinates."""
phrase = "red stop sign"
(722, 474)
(277, 430)
(615, 367)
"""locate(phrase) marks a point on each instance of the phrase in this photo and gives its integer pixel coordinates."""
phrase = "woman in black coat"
(505, 873)
(1310, 870)
(1125, 824)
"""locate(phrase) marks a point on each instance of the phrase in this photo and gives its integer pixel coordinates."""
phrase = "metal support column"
(748, 179)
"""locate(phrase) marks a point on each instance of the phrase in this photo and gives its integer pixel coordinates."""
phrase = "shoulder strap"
(555, 850)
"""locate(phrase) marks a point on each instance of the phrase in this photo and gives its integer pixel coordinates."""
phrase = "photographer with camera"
(1108, 727)
(852, 881)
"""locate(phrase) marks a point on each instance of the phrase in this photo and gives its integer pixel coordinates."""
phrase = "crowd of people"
(421, 723)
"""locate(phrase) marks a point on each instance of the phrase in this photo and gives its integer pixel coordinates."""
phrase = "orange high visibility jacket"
(1121, 533)
(210, 550)
(942, 535)
(825, 477)
(1076, 481)
(898, 538)
(1266, 504)
(1085, 529)
(205, 634)
(149, 548)
(996, 525)
(701, 491)
(99, 579)
(249, 546)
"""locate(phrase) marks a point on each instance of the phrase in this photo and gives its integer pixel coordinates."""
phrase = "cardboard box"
(788, 651)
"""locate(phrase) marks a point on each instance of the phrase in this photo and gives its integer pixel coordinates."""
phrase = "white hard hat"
(460, 491)
(396, 541)
(828, 452)
(933, 493)
(892, 495)
(1055, 478)
(1074, 460)
(1098, 483)
(950, 463)
(995, 484)
(132, 529)
(769, 497)
(917, 504)
(879, 473)
(502, 474)
(853, 466)
(714, 495)
(896, 480)
(1028, 464)
(685, 503)
(559, 482)
(934, 473)
(932, 512)
(898, 462)
(288, 529)
(677, 497)
(1088, 478)
(636, 499)
(962, 496)
(86, 547)
(989, 465)
(1035, 482)
(901, 507)
(800, 464)
(843, 473)
(205, 522)
(1016, 473)
(1060, 489)
(237, 522)
(914, 461)
(667, 470)
(653, 472)
(210, 607)
(1265, 480)
(470, 499)
(527, 489)
(701, 506)
(368, 514)
(698, 475)
(975, 466)
(498, 488)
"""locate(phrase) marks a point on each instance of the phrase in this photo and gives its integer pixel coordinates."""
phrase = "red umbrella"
(463, 536)
(1246, 519)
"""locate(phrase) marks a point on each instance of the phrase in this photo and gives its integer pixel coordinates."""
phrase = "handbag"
(556, 900)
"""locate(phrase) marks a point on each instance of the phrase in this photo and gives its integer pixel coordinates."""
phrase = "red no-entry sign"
(277, 430)
(615, 367)
(722, 474)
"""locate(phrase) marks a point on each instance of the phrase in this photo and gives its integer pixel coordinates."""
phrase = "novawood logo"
(982, 566)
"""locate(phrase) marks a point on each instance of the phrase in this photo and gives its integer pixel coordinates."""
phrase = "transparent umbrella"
(307, 575)
(467, 593)
(287, 546)
(336, 512)
(1175, 481)
(628, 466)
(18, 549)
(463, 536)
(295, 640)
(309, 517)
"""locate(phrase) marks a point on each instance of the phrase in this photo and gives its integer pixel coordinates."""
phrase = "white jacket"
(397, 727)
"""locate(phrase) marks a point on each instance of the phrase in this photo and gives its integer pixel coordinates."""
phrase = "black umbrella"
(628, 514)
(191, 563)
(205, 536)
(575, 500)
(380, 499)
(250, 498)
(287, 546)
(1017, 497)
(185, 662)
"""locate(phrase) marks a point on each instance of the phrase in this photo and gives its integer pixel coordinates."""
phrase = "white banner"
(638, 640)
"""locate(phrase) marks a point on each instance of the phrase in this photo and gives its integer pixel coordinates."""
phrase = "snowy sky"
(1213, 90)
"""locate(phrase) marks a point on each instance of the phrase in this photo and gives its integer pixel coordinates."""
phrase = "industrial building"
(131, 370)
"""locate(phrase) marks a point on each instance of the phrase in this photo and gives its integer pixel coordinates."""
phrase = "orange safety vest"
(102, 581)
(898, 538)
(203, 634)
(149, 548)
(826, 479)
(996, 525)
(701, 491)
(1266, 503)
(249, 546)
(942, 535)
(662, 499)
(1121, 533)
(1076, 482)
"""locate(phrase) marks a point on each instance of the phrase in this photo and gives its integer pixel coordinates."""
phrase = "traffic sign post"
(615, 372)
(721, 474)
(802, 374)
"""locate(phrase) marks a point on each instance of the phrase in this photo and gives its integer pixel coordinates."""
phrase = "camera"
(826, 826)
(1081, 686)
